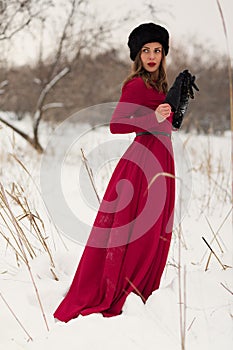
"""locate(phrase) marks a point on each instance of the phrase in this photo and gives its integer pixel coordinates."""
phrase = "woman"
(129, 242)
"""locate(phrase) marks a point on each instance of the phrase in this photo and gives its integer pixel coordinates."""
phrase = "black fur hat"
(147, 33)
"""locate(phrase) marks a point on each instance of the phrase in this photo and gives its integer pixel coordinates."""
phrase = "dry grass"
(22, 243)
(216, 238)
(216, 256)
(15, 316)
(213, 177)
(182, 295)
(182, 292)
(229, 62)
(23, 229)
(35, 186)
(90, 174)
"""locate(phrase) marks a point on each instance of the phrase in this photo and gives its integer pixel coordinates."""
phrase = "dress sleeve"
(130, 115)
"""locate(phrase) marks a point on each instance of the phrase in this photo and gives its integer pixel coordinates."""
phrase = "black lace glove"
(179, 94)
(174, 93)
(178, 115)
(186, 92)
(188, 84)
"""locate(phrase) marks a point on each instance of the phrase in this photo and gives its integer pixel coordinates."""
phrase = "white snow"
(156, 325)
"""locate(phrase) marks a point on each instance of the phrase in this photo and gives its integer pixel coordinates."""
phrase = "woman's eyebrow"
(147, 47)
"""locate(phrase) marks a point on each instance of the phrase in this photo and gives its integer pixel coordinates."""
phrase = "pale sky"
(184, 20)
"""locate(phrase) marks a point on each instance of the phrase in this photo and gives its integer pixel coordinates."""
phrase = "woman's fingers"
(164, 110)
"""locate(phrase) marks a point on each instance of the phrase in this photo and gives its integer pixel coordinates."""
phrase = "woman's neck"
(154, 76)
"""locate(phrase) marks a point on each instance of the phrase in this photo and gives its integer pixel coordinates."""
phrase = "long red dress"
(129, 242)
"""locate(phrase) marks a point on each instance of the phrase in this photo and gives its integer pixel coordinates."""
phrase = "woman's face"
(151, 56)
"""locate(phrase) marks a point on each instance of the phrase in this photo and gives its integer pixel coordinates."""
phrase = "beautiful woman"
(130, 238)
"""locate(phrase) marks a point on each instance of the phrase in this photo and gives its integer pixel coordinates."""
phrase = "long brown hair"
(160, 83)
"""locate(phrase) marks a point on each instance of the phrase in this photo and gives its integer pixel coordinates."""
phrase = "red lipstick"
(151, 64)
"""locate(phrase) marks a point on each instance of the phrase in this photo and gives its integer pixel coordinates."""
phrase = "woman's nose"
(152, 56)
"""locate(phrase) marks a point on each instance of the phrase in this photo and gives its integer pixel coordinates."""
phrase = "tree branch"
(63, 37)
(39, 108)
(34, 141)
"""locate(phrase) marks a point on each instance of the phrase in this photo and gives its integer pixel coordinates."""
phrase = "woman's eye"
(147, 50)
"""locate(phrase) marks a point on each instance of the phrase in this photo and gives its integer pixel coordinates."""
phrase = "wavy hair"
(160, 83)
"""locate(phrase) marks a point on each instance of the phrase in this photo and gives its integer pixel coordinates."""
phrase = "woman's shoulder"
(133, 91)
(135, 82)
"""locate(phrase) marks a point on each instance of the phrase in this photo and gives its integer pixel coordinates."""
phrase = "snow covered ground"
(191, 301)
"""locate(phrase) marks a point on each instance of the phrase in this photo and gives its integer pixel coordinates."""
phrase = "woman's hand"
(162, 112)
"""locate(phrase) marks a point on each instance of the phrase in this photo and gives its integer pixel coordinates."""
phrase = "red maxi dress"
(129, 242)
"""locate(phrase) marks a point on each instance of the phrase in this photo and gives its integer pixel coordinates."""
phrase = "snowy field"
(193, 306)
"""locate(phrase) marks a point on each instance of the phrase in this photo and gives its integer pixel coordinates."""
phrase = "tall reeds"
(229, 62)
(23, 229)
(229, 71)
(15, 316)
(22, 244)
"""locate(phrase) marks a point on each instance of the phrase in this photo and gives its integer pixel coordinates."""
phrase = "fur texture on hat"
(147, 33)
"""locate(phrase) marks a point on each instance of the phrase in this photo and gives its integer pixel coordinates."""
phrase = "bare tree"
(72, 40)
(15, 15)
